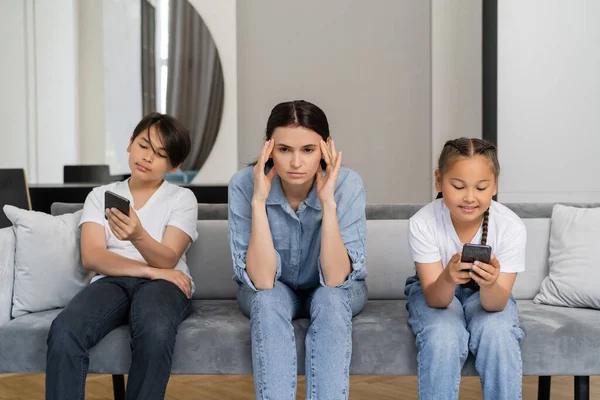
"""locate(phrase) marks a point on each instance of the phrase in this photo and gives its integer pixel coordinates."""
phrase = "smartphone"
(113, 200)
(476, 252)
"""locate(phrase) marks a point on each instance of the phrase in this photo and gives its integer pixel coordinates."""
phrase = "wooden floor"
(221, 387)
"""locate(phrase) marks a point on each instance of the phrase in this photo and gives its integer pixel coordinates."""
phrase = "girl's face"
(148, 160)
(468, 187)
(296, 154)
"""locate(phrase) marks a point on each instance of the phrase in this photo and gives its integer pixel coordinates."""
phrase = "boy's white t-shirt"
(432, 236)
(169, 205)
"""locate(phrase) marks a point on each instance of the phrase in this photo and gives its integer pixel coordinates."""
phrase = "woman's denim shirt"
(297, 235)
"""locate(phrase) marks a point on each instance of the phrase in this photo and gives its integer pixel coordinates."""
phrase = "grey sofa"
(215, 339)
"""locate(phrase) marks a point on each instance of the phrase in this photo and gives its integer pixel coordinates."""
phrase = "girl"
(142, 277)
(448, 315)
(297, 236)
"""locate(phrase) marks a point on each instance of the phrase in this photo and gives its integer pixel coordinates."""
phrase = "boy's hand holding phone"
(124, 227)
(122, 219)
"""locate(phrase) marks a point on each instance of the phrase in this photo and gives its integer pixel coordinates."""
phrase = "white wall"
(50, 84)
(92, 135)
(549, 100)
(455, 72)
(56, 87)
(41, 74)
(15, 135)
(368, 66)
(220, 18)
(122, 79)
(395, 85)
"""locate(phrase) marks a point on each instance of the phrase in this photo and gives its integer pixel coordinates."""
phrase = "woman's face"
(296, 154)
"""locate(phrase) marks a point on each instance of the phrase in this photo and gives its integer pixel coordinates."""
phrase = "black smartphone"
(476, 252)
(113, 200)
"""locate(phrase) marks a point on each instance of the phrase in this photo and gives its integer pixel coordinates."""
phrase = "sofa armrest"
(7, 271)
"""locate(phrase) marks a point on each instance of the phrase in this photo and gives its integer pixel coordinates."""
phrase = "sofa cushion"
(574, 275)
(215, 339)
(206, 211)
(7, 272)
(528, 282)
(209, 260)
(48, 270)
(389, 262)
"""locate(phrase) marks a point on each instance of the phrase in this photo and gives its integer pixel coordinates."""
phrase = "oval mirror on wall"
(182, 73)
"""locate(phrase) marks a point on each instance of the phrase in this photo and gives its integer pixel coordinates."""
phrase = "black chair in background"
(89, 174)
(13, 191)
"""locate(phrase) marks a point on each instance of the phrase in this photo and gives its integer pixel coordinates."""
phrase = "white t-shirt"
(169, 205)
(432, 236)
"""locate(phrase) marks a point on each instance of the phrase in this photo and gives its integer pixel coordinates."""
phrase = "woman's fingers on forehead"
(263, 151)
(323, 148)
(327, 156)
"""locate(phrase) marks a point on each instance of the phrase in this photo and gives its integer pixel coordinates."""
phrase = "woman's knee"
(331, 303)
(267, 303)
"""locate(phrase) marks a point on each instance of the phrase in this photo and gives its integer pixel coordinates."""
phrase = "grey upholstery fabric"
(7, 272)
(528, 282)
(209, 260)
(574, 253)
(374, 211)
(392, 211)
(542, 210)
(215, 339)
(388, 260)
(212, 211)
(65, 208)
(48, 269)
(205, 211)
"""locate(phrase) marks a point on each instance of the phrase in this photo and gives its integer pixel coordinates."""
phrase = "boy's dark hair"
(174, 137)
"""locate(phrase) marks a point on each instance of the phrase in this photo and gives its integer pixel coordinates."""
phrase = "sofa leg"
(119, 387)
(544, 387)
(582, 388)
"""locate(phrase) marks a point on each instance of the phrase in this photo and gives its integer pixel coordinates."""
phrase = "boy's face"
(148, 160)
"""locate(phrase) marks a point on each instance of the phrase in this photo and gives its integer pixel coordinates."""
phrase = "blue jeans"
(445, 336)
(153, 310)
(328, 340)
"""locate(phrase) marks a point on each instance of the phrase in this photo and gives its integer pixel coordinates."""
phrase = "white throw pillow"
(574, 261)
(48, 270)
